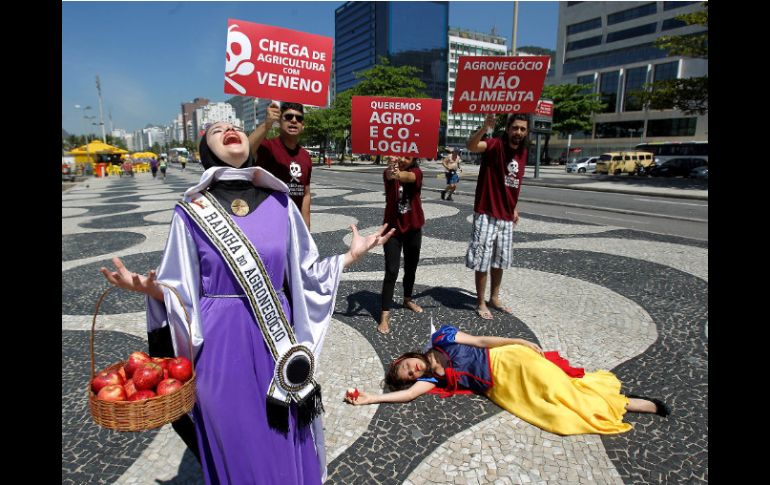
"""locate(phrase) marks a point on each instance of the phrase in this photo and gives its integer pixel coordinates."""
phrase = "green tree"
(572, 107)
(381, 80)
(690, 95)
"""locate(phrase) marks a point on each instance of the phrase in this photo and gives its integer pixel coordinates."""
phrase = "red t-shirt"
(403, 208)
(499, 182)
(292, 167)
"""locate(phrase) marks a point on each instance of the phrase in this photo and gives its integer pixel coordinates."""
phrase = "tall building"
(406, 33)
(460, 126)
(609, 48)
(245, 110)
(187, 112)
(212, 113)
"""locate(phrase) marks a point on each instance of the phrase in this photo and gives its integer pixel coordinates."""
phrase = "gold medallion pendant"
(239, 207)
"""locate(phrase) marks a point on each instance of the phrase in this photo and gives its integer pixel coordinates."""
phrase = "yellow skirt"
(536, 390)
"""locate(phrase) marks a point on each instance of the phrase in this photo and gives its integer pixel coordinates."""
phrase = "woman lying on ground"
(516, 376)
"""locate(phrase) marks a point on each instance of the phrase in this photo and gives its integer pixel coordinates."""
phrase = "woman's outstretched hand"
(531, 345)
(361, 245)
(123, 278)
(362, 398)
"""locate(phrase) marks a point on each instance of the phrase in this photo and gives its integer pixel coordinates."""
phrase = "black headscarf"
(208, 159)
(228, 190)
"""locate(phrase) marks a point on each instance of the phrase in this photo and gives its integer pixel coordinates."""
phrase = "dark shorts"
(452, 177)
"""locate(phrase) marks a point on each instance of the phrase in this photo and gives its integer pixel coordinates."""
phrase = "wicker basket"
(144, 414)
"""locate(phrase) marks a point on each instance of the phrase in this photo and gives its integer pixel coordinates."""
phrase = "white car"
(583, 165)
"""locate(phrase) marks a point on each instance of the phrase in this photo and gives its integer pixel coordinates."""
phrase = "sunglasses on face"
(290, 116)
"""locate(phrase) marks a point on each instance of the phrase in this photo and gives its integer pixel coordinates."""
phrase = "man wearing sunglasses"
(284, 157)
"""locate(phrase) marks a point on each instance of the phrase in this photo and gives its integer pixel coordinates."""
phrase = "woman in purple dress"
(241, 439)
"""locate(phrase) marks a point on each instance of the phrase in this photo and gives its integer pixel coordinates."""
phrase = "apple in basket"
(161, 361)
(105, 378)
(113, 392)
(129, 387)
(135, 360)
(142, 395)
(167, 386)
(147, 376)
(180, 368)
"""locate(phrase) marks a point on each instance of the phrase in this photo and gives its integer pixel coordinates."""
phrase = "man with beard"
(494, 210)
(284, 157)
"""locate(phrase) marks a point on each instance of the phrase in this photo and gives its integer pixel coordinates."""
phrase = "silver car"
(583, 165)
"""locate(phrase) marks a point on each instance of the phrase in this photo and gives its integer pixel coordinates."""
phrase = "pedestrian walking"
(452, 170)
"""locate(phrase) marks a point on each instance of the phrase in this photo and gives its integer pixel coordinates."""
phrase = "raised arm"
(487, 341)
(273, 114)
(418, 389)
(475, 144)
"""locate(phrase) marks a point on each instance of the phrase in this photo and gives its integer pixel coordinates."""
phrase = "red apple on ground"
(134, 361)
(113, 392)
(167, 386)
(105, 378)
(129, 387)
(141, 395)
(180, 368)
(147, 376)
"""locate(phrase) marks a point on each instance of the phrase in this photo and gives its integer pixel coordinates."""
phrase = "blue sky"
(152, 56)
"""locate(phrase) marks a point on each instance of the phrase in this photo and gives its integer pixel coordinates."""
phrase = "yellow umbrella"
(89, 153)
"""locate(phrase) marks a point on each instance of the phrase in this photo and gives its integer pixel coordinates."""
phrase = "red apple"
(135, 360)
(352, 393)
(167, 386)
(161, 361)
(165, 373)
(141, 395)
(122, 372)
(147, 376)
(112, 392)
(129, 387)
(105, 378)
(180, 368)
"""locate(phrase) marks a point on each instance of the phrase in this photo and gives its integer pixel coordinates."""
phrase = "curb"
(538, 183)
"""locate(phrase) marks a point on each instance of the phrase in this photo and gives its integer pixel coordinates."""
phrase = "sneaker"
(443, 194)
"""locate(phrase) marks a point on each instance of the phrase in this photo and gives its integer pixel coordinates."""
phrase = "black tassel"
(277, 415)
(310, 408)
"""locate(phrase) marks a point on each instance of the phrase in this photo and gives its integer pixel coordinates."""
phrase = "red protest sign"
(544, 108)
(276, 63)
(494, 84)
(395, 126)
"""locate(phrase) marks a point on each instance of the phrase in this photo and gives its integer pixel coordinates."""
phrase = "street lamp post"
(85, 129)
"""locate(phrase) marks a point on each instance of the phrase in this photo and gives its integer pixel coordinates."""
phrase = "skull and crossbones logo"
(295, 170)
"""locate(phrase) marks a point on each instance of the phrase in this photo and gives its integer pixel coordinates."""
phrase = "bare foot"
(484, 313)
(384, 325)
(412, 306)
(498, 305)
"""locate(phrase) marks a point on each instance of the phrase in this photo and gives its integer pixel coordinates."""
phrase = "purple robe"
(232, 362)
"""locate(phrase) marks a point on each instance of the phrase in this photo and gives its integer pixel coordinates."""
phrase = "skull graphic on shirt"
(512, 177)
(295, 170)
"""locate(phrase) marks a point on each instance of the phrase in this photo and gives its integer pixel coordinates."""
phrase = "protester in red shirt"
(284, 157)
(494, 209)
(403, 211)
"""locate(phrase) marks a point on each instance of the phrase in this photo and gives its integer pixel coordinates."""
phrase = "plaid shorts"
(490, 244)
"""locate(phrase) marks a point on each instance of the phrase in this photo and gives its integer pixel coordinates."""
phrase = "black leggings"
(411, 242)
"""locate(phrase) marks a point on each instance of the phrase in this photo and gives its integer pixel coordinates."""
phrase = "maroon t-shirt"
(499, 182)
(292, 167)
(403, 208)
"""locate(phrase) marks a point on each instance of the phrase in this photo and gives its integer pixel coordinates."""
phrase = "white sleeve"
(179, 269)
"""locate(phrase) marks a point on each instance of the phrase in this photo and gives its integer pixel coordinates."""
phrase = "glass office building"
(608, 47)
(406, 33)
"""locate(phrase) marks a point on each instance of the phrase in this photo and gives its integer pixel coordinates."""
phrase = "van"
(624, 162)
(583, 165)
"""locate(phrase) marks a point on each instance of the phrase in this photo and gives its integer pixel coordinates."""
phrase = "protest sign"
(495, 84)
(277, 63)
(395, 126)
